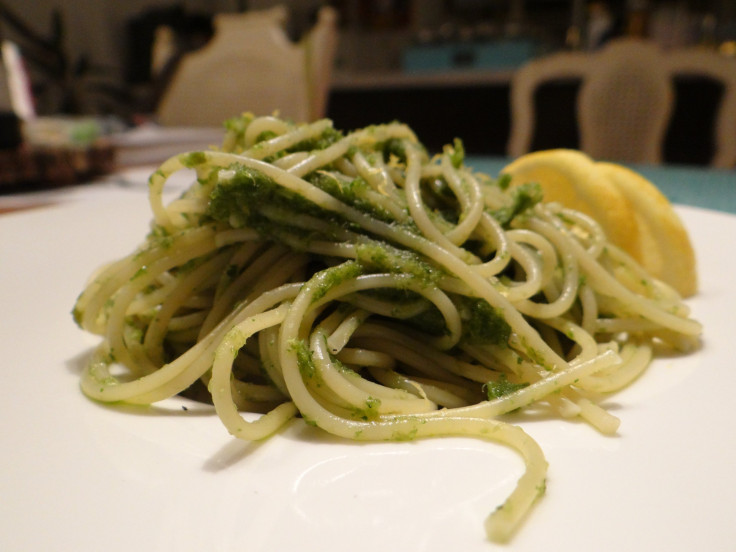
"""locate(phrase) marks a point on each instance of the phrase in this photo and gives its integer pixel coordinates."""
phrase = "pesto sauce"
(405, 435)
(193, 159)
(369, 411)
(159, 236)
(482, 323)
(382, 257)
(77, 315)
(304, 360)
(142, 271)
(351, 193)
(328, 137)
(457, 153)
(501, 388)
(522, 199)
(333, 276)
(392, 147)
(430, 322)
(236, 200)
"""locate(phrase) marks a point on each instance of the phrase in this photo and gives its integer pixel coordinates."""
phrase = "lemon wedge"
(633, 213)
(666, 250)
(572, 178)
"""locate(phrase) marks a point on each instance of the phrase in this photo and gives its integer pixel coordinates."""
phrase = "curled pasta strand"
(377, 293)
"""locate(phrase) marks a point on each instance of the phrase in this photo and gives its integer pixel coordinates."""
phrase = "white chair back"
(625, 103)
(524, 85)
(697, 62)
(251, 65)
(626, 99)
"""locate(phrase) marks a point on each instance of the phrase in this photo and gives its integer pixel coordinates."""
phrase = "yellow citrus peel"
(632, 211)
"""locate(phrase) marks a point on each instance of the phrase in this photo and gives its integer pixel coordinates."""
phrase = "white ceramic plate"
(79, 476)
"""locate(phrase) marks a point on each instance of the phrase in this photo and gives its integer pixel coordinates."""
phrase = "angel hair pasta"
(376, 292)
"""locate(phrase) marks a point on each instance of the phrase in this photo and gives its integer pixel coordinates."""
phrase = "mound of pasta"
(375, 291)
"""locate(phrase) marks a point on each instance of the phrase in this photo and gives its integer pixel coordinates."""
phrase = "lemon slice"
(666, 250)
(572, 178)
(633, 213)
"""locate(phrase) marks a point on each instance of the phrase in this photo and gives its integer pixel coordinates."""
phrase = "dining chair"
(705, 70)
(252, 65)
(625, 103)
(320, 48)
(622, 100)
(556, 76)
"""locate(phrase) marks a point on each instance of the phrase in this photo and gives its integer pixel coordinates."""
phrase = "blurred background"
(446, 67)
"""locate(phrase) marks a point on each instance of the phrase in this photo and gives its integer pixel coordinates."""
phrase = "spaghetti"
(374, 291)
